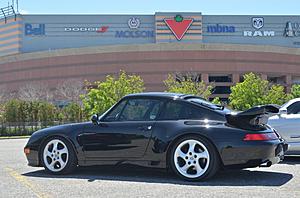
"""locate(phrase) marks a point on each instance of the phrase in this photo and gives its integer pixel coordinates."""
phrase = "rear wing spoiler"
(261, 110)
(253, 118)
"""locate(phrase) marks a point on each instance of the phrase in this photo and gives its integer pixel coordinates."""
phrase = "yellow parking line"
(24, 181)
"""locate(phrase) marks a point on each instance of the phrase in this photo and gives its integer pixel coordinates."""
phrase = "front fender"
(69, 132)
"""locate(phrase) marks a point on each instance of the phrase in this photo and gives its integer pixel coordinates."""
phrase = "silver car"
(287, 124)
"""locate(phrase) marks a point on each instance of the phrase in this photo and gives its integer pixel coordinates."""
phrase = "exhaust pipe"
(266, 164)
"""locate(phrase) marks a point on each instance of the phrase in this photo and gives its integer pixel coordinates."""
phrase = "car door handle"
(145, 128)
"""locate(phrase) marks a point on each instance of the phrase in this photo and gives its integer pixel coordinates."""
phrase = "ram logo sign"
(258, 23)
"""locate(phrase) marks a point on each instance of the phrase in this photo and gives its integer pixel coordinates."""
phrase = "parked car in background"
(287, 124)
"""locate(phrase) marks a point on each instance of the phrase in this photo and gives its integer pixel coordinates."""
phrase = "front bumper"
(32, 156)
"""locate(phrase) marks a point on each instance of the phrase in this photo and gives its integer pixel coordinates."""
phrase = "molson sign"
(134, 32)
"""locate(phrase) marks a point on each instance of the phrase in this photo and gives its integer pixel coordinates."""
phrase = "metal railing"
(26, 128)
(7, 12)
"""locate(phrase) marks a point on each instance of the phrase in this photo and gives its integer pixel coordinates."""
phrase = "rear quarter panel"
(225, 139)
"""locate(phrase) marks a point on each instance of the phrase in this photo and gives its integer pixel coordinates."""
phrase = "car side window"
(115, 112)
(140, 110)
(177, 111)
(180, 111)
(294, 108)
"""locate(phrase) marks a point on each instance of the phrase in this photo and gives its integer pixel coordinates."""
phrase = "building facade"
(217, 49)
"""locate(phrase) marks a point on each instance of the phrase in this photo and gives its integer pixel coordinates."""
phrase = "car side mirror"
(282, 111)
(95, 119)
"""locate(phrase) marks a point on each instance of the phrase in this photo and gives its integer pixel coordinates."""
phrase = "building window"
(276, 79)
(220, 78)
(195, 77)
(296, 79)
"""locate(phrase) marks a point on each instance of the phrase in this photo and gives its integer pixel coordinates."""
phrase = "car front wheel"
(194, 158)
(58, 156)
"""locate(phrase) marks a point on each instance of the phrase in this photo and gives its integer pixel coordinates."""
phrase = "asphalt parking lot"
(19, 180)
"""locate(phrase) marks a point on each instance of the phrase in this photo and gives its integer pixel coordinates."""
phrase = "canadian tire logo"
(179, 26)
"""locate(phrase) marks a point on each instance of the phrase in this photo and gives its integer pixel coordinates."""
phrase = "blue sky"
(269, 7)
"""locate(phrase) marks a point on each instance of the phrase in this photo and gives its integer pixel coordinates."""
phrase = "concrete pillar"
(204, 78)
(288, 83)
(264, 76)
(235, 78)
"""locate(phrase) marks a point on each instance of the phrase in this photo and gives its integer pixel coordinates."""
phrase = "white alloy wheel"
(191, 158)
(55, 155)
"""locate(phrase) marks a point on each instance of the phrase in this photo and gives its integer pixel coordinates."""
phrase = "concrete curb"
(13, 137)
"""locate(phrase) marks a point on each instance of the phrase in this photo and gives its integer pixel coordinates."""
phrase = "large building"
(215, 48)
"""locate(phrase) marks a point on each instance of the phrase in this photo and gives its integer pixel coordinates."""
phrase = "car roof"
(159, 95)
(290, 102)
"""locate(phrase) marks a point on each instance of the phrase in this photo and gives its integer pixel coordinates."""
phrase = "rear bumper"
(279, 154)
(255, 153)
(294, 148)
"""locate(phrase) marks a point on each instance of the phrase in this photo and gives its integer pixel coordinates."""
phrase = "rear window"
(294, 108)
(205, 103)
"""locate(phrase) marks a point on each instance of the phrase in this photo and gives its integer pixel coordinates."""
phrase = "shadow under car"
(130, 173)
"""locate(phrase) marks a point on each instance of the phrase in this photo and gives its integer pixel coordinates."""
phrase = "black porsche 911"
(193, 137)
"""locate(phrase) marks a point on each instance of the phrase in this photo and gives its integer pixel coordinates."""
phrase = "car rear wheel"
(194, 158)
(58, 156)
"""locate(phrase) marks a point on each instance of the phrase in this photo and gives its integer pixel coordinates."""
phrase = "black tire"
(214, 164)
(72, 158)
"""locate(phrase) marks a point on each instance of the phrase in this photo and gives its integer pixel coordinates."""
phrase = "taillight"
(260, 136)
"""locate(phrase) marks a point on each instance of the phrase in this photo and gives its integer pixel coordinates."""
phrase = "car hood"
(64, 128)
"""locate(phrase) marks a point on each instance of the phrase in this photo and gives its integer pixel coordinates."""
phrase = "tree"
(4, 95)
(71, 90)
(275, 95)
(46, 113)
(188, 85)
(11, 110)
(217, 101)
(35, 92)
(255, 91)
(295, 91)
(108, 92)
(72, 112)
